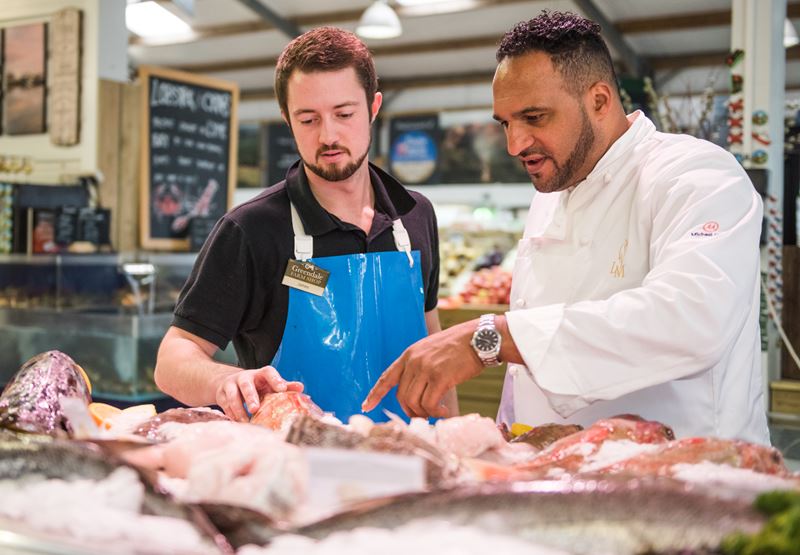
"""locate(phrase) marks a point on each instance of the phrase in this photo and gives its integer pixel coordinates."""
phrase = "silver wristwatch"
(486, 341)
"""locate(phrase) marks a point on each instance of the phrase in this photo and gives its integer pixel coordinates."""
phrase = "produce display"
(193, 481)
(486, 286)
(462, 252)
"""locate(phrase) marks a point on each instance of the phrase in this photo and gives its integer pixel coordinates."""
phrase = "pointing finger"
(384, 384)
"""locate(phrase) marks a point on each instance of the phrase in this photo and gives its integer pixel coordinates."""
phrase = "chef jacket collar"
(391, 198)
(640, 129)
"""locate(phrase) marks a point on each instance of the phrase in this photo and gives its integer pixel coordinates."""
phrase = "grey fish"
(31, 402)
(44, 457)
(603, 516)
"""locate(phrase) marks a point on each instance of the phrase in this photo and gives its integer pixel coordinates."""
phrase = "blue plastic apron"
(338, 344)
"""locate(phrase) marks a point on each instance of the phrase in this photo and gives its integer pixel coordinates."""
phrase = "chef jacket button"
(584, 241)
(607, 178)
(520, 303)
(514, 371)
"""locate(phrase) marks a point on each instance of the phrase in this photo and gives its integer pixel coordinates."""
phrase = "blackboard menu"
(67, 226)
(190, 154)
(281, 152)
(94, 225)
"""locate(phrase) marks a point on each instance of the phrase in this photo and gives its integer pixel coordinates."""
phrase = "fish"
(278, 410)
(734, 453)
(569, 453)
(441, 468)
(608, 515)
(38, 456)
(545, 435)
(31, 401)
(149, 429)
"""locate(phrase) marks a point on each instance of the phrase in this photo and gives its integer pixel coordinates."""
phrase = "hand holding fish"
(249, 386)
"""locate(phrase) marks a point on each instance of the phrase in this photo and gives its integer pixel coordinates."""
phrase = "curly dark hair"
(573, 43)
(325, 49)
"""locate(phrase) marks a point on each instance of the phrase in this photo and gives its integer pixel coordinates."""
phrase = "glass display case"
(108, 312)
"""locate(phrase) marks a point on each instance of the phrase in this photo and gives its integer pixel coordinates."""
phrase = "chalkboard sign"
(281, 151)
(188, 153)
(94, 225)
(66, 226)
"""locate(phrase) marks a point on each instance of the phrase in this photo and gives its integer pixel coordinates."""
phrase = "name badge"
(306, 277)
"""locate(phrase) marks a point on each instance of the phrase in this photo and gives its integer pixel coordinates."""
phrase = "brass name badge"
(306, 277)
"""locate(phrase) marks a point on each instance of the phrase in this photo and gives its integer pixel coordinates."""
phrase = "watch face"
(486, 340)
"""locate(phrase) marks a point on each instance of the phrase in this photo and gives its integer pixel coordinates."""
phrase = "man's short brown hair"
(325, 49)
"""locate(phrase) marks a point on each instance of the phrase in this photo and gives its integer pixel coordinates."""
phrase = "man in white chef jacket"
(636, 285)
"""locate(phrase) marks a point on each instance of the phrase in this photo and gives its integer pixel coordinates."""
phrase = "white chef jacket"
(637, 291)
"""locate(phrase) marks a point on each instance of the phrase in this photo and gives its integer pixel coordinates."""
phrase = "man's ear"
(376, 106)
(285, 118)
(600, 97)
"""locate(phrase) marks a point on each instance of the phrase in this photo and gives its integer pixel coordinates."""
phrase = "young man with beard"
(636, 285)
(322, 280)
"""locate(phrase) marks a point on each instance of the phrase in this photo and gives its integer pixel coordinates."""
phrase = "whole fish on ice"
(31, 402)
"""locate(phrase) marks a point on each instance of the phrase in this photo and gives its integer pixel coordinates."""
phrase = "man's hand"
(248, 386)
(427, 370)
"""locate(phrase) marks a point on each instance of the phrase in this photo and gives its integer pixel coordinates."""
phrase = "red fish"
(278, 410)
(738, 454)
(569, 453)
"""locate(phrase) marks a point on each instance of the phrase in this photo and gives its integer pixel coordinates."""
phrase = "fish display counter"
(110, 311)
(296, 480)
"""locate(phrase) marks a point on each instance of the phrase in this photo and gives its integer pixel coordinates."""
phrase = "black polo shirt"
(234, 292)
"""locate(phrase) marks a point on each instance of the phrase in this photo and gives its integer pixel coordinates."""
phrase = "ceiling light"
(152, 21)
(419, 2)
(379, 21)
(790, 37)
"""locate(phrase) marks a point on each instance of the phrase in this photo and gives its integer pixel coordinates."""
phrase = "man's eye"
(347, 115)
(533, 119)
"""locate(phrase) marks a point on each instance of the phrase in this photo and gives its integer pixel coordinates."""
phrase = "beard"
(332, 172)
(565, 174)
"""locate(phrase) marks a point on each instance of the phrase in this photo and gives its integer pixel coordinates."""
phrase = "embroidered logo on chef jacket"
(708, 229)
(618, 265)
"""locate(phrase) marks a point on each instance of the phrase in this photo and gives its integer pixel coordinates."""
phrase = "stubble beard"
(333, 172)
(565, 174)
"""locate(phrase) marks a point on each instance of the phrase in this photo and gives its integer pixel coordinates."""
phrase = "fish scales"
(31, 402)
(581, 516)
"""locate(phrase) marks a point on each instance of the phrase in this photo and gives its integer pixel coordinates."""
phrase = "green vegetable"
(781, 533)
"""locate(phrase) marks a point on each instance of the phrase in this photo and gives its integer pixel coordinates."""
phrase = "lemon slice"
(518, 429)
(104, 414)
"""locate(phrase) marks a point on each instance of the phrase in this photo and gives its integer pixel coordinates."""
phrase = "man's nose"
(328, 132)
(517, 139)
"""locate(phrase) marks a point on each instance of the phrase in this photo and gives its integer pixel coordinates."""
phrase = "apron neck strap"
(401, 240)
(303, 244)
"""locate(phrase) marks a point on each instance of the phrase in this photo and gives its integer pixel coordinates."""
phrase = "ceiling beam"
(482, 77)
(706, 59)
(634, 63)
(274, 18)
(388, 50)
(309, 20)
(680, 22)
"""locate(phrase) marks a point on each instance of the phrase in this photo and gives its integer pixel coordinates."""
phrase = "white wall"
(103, 56)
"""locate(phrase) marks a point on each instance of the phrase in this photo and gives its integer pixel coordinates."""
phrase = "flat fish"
(31, 402)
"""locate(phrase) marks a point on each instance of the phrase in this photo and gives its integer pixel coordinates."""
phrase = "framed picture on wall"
(24, 79)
